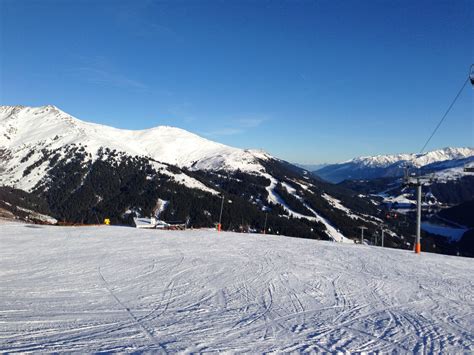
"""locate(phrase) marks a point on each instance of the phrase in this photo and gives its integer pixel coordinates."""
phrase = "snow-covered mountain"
(88, 171)
(371, 167)
(416, 159)
(23, 129)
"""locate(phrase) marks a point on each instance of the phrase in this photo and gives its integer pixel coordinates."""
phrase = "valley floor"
(90, 289)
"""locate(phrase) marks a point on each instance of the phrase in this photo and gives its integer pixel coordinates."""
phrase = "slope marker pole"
(265, 225)
(219, 226)
(418, 218)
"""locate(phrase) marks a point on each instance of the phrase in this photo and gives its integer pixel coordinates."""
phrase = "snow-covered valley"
(90, 289)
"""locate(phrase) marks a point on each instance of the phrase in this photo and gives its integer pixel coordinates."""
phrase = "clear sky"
(308, 81)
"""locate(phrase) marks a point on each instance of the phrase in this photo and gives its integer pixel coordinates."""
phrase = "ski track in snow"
(90, 289)
(276, 199)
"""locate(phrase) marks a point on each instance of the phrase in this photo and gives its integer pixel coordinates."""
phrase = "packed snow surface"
(91, 289)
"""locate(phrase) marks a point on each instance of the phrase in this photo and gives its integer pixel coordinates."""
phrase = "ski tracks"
(199, 291)
(148, 333)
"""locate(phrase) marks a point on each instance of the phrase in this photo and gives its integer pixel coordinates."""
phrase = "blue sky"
(308, 81)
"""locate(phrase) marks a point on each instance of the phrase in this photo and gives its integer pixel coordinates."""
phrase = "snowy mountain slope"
(115, 289)
(48, 126)
(392, 165)
(273, 197)
(416, 159)
(25, 131)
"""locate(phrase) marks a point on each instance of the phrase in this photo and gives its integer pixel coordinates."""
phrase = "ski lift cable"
(446, 113)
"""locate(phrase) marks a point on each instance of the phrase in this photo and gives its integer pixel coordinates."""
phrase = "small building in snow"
(149, 223)
(155, 223)
(145, 223)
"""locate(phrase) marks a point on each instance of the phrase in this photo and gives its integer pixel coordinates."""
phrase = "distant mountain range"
(388, 166)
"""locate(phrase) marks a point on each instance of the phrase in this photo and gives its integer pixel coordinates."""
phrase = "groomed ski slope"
(274, 198)
(90, 289)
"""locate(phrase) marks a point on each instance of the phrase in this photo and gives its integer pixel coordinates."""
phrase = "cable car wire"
(445, 114)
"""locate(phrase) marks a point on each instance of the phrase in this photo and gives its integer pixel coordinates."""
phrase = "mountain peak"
(50, 127)
(392, 164)
(417, 159)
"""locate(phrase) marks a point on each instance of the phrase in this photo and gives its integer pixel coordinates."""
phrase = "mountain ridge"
(417, 159)
(392, 165)
(160, 143)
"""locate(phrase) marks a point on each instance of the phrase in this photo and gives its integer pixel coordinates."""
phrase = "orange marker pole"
(417, 248)
(219, 226)
(265, 225)
(418, 219)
